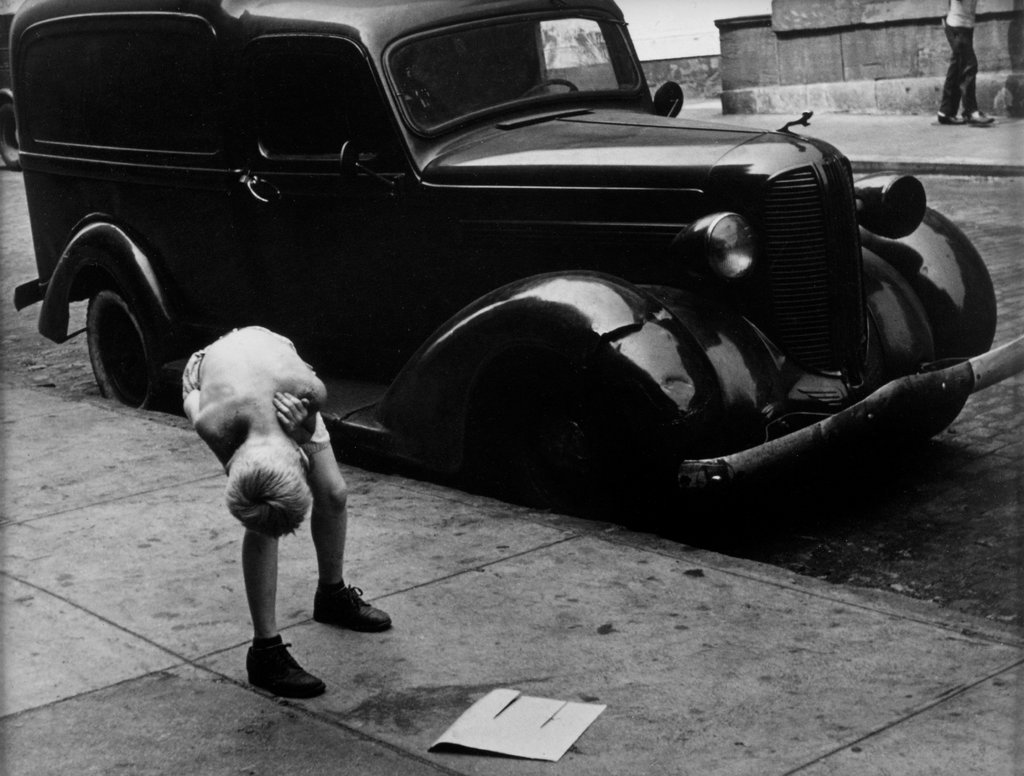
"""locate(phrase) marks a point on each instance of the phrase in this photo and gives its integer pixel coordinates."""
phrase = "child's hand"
(292, 414)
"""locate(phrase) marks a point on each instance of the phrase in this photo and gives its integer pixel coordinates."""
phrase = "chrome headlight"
(725, 241)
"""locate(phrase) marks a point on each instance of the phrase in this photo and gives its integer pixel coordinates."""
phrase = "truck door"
(317, 231)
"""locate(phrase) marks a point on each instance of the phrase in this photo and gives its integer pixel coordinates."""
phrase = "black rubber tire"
(558, 459)
(122, 350)
(9, 151)
(544, 442)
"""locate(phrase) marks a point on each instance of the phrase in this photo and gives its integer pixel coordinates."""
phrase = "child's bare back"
(254, 362)
(241, 373)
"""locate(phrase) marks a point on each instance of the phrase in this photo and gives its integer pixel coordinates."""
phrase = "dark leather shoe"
(347, 609)
(273, 669)
(944, 119)
(979, 119)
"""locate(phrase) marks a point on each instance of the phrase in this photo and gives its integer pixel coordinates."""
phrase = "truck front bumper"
(918, 406)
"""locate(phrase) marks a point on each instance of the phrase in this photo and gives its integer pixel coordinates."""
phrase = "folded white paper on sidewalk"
(507, 722)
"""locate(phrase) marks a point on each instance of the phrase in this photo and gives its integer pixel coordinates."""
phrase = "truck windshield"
(444, 78)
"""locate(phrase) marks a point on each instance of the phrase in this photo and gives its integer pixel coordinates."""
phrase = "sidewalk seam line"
(400, 591)
(487, 564)
(91, 613)
(113, 500)
(277, 700)
(331, 721)
(1009, 641)
(907, 717)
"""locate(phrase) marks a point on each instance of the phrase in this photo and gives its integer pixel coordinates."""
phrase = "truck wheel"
(9, 153)
(542, 442)
(557, 457)
(122, 351)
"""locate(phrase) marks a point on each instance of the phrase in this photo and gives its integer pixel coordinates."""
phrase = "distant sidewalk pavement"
(901, 143)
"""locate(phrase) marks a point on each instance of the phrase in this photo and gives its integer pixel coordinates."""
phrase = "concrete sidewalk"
(125, 631)
(911, 144)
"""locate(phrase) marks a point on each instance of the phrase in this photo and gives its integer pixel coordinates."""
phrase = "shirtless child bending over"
(256, 404)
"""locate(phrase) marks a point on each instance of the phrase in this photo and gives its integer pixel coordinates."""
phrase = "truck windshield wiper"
(526, 122)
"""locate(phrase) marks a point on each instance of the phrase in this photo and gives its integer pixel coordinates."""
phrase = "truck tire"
(122, 351)
(9, 153)
(541, 440)
(557, 459)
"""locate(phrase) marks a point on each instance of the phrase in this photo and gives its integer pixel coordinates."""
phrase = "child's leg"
(329, 522)
(259, 569)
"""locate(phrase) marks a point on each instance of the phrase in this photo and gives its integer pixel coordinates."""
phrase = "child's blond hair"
(267, 489)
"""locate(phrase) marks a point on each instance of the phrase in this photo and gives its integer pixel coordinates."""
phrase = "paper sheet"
(507, 722)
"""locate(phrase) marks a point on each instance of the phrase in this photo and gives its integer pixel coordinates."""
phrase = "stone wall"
(865, 56)
(700, 77)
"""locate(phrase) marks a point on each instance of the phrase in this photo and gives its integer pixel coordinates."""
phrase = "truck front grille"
(813, 252)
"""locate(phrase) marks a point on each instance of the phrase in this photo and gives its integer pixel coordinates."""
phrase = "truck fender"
(9, 153)
(613, 336)
(751, 374)
(901, 337)
(101, 255)
(950, 279)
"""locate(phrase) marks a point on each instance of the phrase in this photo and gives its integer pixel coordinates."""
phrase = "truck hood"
(601, 149)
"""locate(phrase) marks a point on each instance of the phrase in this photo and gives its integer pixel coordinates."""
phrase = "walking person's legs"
(959, 88)
(968, 73)
(952, 86)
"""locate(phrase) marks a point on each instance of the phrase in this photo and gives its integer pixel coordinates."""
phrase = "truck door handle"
(260, 188)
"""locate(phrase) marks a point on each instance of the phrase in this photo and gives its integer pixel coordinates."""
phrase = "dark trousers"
(962, 74)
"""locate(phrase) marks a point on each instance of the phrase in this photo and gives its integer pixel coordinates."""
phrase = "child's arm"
(191, 405)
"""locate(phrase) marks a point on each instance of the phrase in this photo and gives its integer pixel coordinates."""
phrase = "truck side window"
(146, 83)
(300, 104)
(309, 97)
